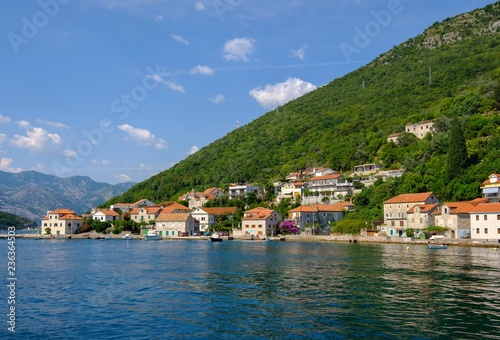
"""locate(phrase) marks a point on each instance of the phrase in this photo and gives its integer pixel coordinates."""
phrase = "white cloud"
(101, 162)
(217, 99)
(69, 153)
(143, 137)
(194, 149)
(272, 96)
(199, 6)
(5, 165)
(170, 84)
(143, 166)
(123, 178)
(238, 49)
(202, 69)
(24, 124)
(39, 167)
(179, 39)
(4, 119)
(37, 139)
(300, 53)
(3, 137)
(53, 124)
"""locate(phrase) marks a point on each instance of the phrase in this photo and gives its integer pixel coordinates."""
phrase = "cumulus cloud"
(4, 119)
(143, 137)
(5, 165)
(53, 124)
(217, 99)
(202, 69)
(143, 166)
(300, 53)
(194, 149)
(272, 96)
(170, 84)
(238, 49)
(37, 140)
(24, 124)
(69, 153)
(179, 39)
(123, 178)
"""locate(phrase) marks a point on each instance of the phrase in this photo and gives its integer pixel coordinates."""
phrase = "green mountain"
(11, 220)
(451, 70)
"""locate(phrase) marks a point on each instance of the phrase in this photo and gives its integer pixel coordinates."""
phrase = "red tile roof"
(486, 208)
(221, 210)
(330, 176)
(173, 216)
(410, 198)
(424, 208)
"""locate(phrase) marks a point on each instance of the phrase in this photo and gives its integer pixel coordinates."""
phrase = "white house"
(485, 221)
(105, 215)
(61, 222)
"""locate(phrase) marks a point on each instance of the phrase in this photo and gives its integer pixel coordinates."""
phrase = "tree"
(47, 231)
(457, 150)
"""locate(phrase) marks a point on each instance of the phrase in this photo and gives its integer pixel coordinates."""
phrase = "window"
(485, 230)
(485, 217)
(392, 224)
(401, 223)
(477, 217)
(498, 217)
(477, 230)
(420, 219)
(498, 230)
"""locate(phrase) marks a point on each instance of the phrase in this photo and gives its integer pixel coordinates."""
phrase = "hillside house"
(260, 222)
(174, 224)
(485, 221)
(61, 222)
(128, 207)
(396, 211)
(238, 190)
(420, 129)
(198, 199)
(290, 190)
(393, 138)
(206, 217)
(175, 208)
(367, 169)
(491, 188)
(335, 184)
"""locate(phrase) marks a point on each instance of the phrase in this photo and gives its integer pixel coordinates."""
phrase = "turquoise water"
(116, 289)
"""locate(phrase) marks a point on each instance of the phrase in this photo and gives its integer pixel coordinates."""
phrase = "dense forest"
(10, 220)
(450, 74)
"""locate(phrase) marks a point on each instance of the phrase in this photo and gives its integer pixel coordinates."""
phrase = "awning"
(491, 190)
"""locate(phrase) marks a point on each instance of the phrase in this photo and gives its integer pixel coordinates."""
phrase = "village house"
(238, 190)
(332, 184)
(367, 169)
(145, 214)
(420, 129)
(175, 224)
(396, 211)
(206, 217)
(322, 214)
(421, 216)
(491, 188)
(105, 215)
(127, 207)
(290, 190)
(456, 217)
(260, 222)
(198, 199)
(175, 208)
(485, 221)
(61, 222)
(393, 138)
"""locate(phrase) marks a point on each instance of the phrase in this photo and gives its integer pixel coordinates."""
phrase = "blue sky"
(120, 90)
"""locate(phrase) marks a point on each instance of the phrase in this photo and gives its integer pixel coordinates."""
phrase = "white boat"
(152, 235)
(215, 237)
(127, 237)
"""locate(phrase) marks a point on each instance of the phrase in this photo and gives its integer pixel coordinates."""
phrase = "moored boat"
(438, 246)
(152, 235)
(215, 237)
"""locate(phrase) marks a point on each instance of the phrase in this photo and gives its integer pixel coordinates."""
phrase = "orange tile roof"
(175, 206)
(173, 216)
(61, 211)
(108, 212)
(258, 213)
(486, 208)
(330, 176)
(303, 209)
(488, 181)
(409, 198)
(70, 217)
(425, 208)
(221, 210)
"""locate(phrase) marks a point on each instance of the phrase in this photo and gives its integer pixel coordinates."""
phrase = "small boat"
(127, 237)
(215, 237)
(438, 246)
(152, 235)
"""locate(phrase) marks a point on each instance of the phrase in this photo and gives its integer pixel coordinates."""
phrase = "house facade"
(174, 224)
(485, 221)
(322, 214)
(260, 222)
(61, 222)
(420, 129)
(367, 169)
(290, 190)
(396, 211)
(491, 188)
(128, 207)
(335, 184)
(456, 217)
(145, 214)
(206, 217)
(105, 215)
(241, 190)
(198, 199)
(421, 216)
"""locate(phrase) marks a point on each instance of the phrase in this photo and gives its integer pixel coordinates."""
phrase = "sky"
(120, 90)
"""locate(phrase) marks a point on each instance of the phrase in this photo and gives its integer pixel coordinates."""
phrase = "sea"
(176, 289)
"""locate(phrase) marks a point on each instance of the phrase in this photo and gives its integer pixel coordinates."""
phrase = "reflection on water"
(175, 289)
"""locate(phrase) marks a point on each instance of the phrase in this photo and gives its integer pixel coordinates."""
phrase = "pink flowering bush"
(288, 227)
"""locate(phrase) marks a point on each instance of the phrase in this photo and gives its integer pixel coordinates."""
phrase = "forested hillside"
(452, 70)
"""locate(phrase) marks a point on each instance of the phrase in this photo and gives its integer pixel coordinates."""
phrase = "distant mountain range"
(31, 194)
